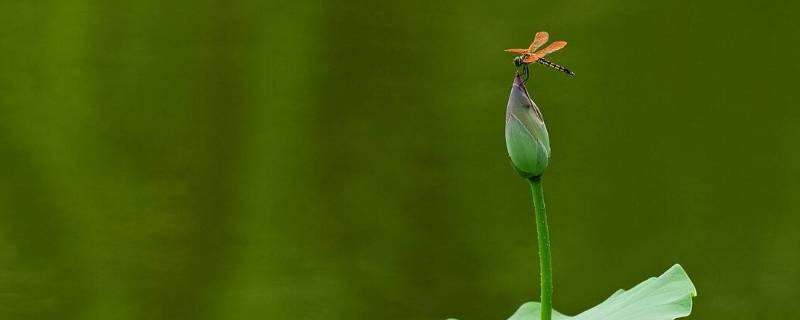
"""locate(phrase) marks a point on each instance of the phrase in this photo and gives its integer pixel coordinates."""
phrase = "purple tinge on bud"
(526, 135)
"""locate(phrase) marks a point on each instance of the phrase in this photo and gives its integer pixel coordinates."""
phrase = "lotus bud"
(526, 135)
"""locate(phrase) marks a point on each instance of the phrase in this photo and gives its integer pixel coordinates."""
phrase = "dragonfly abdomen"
(556, 66)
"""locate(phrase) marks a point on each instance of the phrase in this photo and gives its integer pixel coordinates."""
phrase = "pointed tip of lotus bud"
(518, 80)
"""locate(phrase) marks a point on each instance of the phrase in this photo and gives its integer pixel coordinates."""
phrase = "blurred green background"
(345, 159)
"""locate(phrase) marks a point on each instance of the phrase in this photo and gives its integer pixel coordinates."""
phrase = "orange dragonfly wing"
(517, 51)
(538, 40)
(553, 47)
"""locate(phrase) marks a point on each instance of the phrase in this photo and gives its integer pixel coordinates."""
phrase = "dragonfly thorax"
(518, 61)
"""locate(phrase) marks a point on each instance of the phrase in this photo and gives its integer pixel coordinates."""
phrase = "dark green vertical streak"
(347, 116)
(43, 100)
(212, 140)
(273, 272)
(33, 258)
(380, 134)
(169, 91)
(29, 214)
(223, 96)
(123, 207)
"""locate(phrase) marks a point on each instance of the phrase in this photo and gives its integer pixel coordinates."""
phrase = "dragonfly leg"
(526, 72)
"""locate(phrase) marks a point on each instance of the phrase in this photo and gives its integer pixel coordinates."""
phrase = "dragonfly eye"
(518, 61)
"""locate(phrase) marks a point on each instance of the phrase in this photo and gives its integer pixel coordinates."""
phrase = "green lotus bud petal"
(526, 135)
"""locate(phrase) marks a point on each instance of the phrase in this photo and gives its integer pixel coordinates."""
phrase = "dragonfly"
(531, 55)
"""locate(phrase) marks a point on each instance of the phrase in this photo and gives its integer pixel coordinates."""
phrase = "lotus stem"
(545, 267)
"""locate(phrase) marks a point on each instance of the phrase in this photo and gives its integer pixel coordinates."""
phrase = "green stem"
(545, 267)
